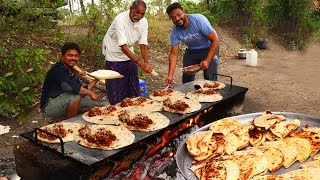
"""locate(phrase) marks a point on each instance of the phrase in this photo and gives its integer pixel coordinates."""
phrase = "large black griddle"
(184, 159)
(91, 157)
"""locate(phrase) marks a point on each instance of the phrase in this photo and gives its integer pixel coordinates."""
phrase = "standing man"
(202, 43)
(62, 94)
(127, 28)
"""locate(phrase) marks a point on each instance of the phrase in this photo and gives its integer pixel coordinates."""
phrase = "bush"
(27, 37)
(21, 74)
(292, 19)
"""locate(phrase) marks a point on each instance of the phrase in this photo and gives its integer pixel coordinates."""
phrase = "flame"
(142, 172)
(170, 134)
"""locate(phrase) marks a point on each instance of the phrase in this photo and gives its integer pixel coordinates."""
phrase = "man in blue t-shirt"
(202, 43)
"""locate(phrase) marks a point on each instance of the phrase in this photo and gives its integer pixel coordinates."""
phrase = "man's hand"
(169, 80)
(144, 66)
(93, 83)
(94, 96)
(204, 64)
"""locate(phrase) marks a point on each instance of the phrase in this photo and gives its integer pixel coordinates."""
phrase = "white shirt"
(123, 31)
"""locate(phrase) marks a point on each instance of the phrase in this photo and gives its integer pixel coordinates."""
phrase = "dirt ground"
(282, 81)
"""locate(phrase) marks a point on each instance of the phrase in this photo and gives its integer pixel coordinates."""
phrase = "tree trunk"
(83, 9)
(70, 6)
(92, 2)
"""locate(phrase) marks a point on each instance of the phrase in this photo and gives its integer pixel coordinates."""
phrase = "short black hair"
(70, 45)
(138, 2)
(173, 6)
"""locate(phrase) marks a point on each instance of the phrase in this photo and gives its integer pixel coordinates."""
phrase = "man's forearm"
(85, 91)
(92, 83)
(144, 52)
(131, 56)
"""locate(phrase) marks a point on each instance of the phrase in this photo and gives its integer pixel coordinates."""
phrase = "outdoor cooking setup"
(38, 160)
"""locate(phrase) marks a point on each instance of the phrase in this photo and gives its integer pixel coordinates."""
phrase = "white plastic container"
(252, 58)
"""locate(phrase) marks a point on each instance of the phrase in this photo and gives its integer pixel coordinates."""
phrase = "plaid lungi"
(119, 89)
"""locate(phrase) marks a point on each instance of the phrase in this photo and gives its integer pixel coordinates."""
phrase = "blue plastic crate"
(143, 88)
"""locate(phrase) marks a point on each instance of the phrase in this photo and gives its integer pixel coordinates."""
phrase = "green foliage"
(21, 74)
(198, 8)
(16, 16)
(292, 19)
(245, 15)
(24, 29)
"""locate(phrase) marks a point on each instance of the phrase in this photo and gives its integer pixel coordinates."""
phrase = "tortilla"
(316, 157)
(244, 140)
(256, 157)
(191, 69)
(308, 128)
(66, 130)
(302, 174)
(105, 137)
(225, 125)
(312, 164)
(106, 74)
(161, 95)
(251, 163)
(314, 139)
(266, 120)
(208, 84)
(143, 121)
(289, 152)
(256, 137)
(204, 95)
(302, 145)
(181, 106)
(140, 104)
(232, 168)
(199, 142)
(102, 115)
(284, 128)
(217, 148)
(274, 156)
(270, 136)
(213, 170)
(231, 143)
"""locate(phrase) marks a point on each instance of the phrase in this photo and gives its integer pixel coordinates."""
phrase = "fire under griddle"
(92, 158)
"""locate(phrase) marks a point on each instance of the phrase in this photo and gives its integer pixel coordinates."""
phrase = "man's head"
(70, 54)
(177, 14)
(137, 10)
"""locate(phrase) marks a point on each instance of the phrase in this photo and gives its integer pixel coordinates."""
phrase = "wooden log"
(86, 78)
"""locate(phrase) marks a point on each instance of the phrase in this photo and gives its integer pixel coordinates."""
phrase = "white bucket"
(252, 58)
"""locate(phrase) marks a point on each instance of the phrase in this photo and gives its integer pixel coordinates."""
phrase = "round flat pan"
(184, 159)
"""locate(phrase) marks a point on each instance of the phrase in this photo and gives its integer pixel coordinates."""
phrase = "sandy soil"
(282, 81)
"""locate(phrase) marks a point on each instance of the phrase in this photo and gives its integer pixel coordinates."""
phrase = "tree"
(70, 6)
(83, 9)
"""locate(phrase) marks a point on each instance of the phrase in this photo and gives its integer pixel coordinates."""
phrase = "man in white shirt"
(127, 28)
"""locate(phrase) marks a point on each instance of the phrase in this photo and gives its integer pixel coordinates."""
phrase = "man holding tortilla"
(128, 28)
(63, 97)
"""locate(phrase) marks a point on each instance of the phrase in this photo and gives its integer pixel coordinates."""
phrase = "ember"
(168, 135)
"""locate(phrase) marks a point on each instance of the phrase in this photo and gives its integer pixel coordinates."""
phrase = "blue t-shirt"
(195, 35)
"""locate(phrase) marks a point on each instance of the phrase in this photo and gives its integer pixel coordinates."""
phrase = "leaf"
(25, 89)
(8, 74)
(29, 70)
(1, 93)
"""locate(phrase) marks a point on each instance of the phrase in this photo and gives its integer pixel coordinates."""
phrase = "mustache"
(136, 17)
